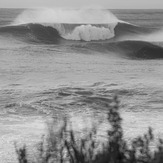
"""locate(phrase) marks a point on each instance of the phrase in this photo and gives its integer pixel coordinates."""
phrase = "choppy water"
(42, 74)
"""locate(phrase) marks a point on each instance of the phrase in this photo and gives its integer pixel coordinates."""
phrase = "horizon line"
(81, 8)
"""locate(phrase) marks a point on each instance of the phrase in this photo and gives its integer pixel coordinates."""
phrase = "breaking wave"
(72, 24)
(121, 43)
(81, 24)
(54, 33)
(91, 29)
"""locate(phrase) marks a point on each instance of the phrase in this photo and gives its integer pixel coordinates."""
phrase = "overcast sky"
(82, 3)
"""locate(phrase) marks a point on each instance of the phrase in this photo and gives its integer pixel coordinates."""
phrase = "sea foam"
(90, 32)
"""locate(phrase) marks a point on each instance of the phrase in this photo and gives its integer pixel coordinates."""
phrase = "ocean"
(64, 62)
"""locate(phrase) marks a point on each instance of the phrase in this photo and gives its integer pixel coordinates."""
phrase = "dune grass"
(65, 147)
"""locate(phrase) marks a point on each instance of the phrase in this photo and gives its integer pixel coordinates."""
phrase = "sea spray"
(67, 16)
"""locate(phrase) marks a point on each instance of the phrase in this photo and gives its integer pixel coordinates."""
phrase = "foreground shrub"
(65, 147)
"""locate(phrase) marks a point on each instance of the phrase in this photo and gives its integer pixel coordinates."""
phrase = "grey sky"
(83, 3)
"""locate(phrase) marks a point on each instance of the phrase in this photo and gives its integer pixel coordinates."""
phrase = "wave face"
(32, 33)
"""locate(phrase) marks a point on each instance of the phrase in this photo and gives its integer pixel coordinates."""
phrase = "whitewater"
(68, 62)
